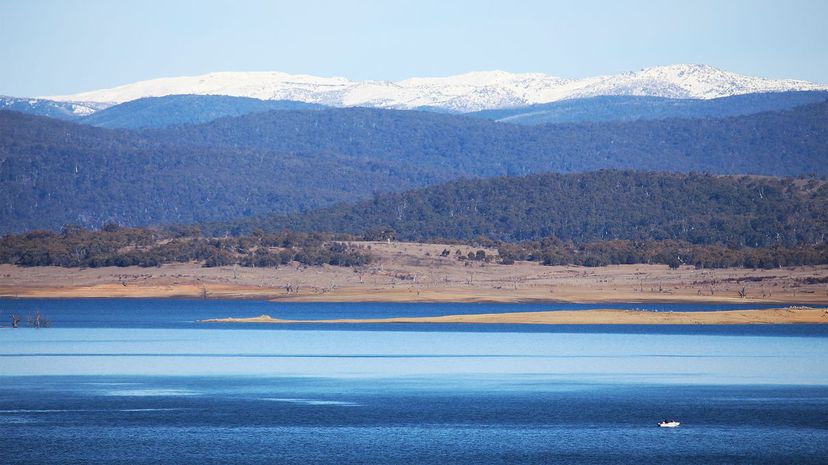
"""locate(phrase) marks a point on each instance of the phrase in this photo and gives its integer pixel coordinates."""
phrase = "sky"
(53, 47)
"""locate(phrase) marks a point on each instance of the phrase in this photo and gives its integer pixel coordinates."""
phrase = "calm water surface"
(140, 381)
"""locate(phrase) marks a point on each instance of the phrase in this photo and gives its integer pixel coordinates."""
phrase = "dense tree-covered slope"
(54, 172)
(786, 143)
(158, 112)
(734, 211)
(114, 246)
(630, 107)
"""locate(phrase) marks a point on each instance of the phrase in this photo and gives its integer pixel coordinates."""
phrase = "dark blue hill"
(624, 108)
(173, 110)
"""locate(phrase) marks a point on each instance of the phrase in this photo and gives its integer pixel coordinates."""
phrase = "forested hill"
(172, 110)
(734, 211)
(633, 107)
(785, 143)
(54, 172)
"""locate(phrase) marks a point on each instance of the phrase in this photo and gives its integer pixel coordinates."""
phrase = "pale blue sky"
(58, 47)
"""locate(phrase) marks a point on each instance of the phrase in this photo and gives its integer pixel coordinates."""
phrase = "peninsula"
(790, 315)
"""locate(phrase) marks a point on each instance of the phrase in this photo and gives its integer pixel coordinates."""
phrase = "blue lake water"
(140, 381)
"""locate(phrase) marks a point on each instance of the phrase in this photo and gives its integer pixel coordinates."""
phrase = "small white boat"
(669, 424)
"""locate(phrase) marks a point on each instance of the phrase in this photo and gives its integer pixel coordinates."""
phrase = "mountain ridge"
(174, 110)
(467, 92)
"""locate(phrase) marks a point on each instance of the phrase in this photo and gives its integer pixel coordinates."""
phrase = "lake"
(141, 381)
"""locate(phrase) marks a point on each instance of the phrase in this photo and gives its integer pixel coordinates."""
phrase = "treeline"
(701, 209)
(115, 246)
(552, 251)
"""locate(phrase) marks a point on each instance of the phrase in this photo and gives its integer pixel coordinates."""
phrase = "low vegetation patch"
(116, 246)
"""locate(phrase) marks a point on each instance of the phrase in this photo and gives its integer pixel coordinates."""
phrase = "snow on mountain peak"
(464, 92)
(690, 81)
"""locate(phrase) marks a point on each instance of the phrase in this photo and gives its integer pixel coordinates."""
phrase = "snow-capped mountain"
(63, 110)
(462, 93)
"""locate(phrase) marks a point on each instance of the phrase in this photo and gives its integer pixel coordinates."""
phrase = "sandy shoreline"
(586, 317)
(412, 272)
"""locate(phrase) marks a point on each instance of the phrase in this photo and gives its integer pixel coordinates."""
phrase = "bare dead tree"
(37, 321)
(291, 288)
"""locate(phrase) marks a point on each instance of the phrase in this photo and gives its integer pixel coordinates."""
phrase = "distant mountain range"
(175, 110)
(462, 93)
(56, 172)
(681, 91)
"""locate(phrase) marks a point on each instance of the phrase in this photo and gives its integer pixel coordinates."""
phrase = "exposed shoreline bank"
(413, 272)
(447, 295)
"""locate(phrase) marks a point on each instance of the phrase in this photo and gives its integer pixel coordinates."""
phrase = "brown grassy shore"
(791, 315)
(411, 272)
